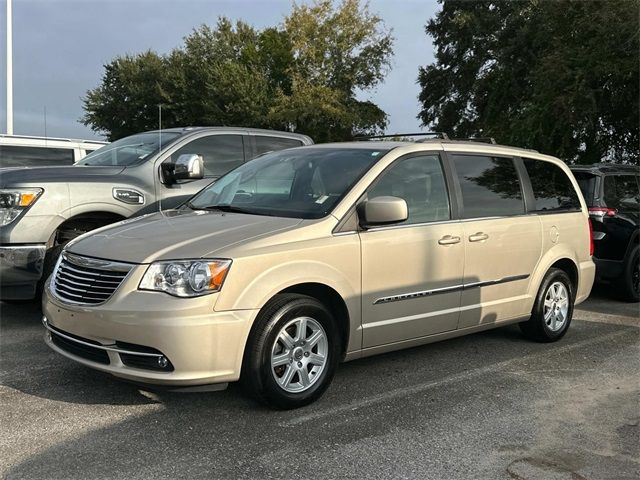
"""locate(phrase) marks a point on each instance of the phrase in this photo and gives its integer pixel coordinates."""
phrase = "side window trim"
(443, 162)
(565, 176)
(525, 185)
(458, 187)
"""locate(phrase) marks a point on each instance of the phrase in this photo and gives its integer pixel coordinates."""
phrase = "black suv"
(612, 193)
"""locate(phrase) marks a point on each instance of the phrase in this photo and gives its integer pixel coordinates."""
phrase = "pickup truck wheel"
(292, 352)
(629, 283)
(49, 263)
(553, 309)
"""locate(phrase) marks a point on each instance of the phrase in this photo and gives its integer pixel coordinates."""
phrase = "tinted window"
(16, 156)
(420, 182)
(587, 183)
(552, 189)
(490, 186)
(266, 144)
(621, 191)
(304, 183)
(221, 153)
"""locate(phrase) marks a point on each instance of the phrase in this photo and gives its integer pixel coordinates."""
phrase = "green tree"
(306, 75)
(338, 53)
(128, 99)
(561, 77)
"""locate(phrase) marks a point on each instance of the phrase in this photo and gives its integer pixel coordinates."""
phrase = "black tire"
(50, 259)
(538, 328)
(629, 283)
(258, 376)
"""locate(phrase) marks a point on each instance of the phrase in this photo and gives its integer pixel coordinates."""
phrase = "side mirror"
(384, 211)
(188, 167)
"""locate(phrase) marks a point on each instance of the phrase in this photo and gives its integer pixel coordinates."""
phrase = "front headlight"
(13, 202)
(186, 278)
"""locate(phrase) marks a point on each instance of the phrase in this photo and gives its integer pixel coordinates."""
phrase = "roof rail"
(490, 140)
(53, 139)
(440, 135)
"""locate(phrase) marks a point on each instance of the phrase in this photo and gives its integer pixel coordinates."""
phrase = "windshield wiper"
(228, 208)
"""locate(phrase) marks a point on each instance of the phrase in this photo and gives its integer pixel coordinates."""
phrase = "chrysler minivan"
(303, 258)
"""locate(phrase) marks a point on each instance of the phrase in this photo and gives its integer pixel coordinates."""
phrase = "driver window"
(221, 153)
(420, 182)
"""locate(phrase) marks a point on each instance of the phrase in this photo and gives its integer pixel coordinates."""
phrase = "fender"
(253, 293)
(551, 256)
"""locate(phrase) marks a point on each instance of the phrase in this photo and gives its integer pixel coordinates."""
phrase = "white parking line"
(405, 391)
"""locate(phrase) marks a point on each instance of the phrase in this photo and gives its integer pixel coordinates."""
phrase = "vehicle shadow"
(221, 434)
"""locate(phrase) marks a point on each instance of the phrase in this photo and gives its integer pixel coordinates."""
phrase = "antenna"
(9, 70)
(159, 151)
(45, 125)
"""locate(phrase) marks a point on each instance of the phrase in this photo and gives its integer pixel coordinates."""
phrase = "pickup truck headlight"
(186, 278)
(13, 202)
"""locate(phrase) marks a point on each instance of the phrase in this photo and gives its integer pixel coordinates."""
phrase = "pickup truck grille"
(86, 280)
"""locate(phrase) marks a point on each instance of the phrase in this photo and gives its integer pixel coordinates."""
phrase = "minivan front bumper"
(201, 346)
(21, 268)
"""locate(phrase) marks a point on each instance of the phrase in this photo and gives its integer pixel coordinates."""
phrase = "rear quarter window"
(552, 189)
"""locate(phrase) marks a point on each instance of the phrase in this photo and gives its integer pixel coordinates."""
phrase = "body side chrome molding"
(452, 288)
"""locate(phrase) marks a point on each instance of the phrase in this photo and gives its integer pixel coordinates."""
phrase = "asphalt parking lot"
(487, 406)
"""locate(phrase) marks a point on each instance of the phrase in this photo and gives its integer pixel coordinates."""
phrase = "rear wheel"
(630, 281)
(292, 352)
(553, 309)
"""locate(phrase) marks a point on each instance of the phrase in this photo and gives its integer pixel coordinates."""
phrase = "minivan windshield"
(304, 182)
(129, 150)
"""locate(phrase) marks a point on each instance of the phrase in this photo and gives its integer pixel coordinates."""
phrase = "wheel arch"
(570, 268)
(560, 257)
(332, 300)
(69, 227)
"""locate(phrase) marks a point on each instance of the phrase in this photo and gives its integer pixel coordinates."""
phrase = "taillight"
(591, 246)
(603, 212)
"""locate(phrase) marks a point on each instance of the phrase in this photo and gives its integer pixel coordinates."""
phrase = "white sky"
(60, 47)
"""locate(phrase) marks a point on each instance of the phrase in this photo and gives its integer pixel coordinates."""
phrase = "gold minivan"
(306, 257)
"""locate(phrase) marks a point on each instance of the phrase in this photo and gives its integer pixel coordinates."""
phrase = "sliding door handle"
(449, 240)
(478, 237)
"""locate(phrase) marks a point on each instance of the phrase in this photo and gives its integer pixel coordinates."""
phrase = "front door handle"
(449, 240)
(478, 237)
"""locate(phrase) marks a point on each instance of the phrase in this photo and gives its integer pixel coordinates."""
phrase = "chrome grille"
(87, 280)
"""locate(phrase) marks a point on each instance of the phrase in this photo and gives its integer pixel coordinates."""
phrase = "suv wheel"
(630, 280)
(553, 309)
(292, 352)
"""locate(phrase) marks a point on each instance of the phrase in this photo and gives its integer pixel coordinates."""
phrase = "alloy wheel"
(299, 354)
(556, 306)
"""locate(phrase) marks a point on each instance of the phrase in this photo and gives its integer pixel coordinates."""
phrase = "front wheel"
(292, 352)
(553, 309)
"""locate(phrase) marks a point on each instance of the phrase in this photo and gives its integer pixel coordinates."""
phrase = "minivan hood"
(176, 234)
(10, 177)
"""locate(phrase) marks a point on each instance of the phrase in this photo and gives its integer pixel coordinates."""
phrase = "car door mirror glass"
(188, 167)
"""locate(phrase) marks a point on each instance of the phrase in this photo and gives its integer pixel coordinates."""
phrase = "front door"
(412, 272)
(221, 153)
